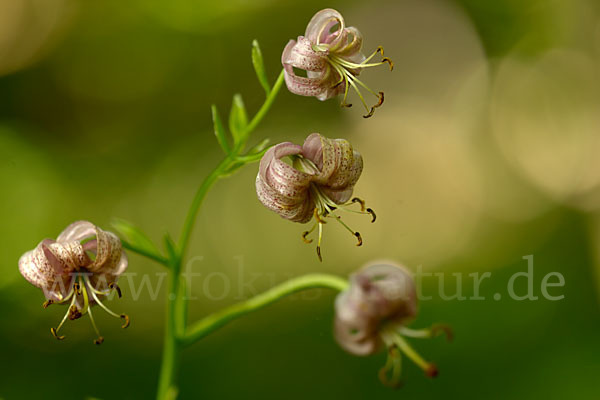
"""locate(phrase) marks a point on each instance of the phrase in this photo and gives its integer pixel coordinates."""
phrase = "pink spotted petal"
(318, 29)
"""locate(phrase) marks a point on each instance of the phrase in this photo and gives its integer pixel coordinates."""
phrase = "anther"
(114, 286)
(442, 329)
(381, 98)
(54, 333)
(362, 203)
(379, 50)
(370, 114)
(99, 340)
(347, 105)
(304, 234)
(74, 313)
(370, 211)
(125, 319)
(319, 253)
(431, 371)
(390, 62)
(47, 303)
(360, 242)
(77, 288)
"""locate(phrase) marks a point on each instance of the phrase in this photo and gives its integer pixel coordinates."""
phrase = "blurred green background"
(487, 150)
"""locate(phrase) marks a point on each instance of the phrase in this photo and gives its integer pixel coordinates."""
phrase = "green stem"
(215, 321)
(176, 305)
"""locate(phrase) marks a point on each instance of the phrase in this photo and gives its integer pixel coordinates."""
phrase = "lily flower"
(374, 311)
(330, 53)
(320, 181)
(78, 268)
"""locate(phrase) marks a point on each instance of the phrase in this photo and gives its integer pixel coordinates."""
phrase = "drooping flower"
(80, 267)
(374, 311)
(330, 53)
(320, 181)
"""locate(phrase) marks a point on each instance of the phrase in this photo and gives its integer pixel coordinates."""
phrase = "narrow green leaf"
(220, 130)
(259, 67)
(237, 118)
(135, 237)
(170, 246)
(259, 148)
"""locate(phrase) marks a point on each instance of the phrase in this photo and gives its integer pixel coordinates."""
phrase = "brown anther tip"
(390, 62)
(380, 49)
(304, 234)
(381, 98)
(370, 114)
(77, 288)
(74, 313)
(55, 334)
(99, 341)
(125, 317)
(362, 203)
(431, 371)
(116, 287)
(370, 211)
(319, 253)
(347, 105)
(47, 303)
(360, 242)
(442, 328)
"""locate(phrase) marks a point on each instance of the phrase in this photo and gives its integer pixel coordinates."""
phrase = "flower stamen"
(392, 368)
(123, 317)
(393, 338)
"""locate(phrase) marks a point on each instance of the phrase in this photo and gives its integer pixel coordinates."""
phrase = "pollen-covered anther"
(114, 286)
(125, 319)
(304, 234)
(74, 313)
(47, 303)
(55, 334)
(319, 253)
(99, 341)
(431, 371)
(442, 329)
(370, 211)
(360, 241)
(77, 288)
(361, 202)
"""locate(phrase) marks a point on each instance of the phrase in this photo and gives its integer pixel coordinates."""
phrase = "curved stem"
(260, 114)
(176, 305)
(215, 321)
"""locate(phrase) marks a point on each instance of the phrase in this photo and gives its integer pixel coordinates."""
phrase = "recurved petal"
(320, 150)
(348, 166)
(37, 270)
(392, 282)
(282, 177)
(318, 29)
(352, 46)
(301, 55)
(78, 230)
(108, 252)
(66, 256)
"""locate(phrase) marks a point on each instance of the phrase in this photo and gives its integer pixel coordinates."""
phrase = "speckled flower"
(380, 300)
(79, 267)
(320, 181)
(330, 53)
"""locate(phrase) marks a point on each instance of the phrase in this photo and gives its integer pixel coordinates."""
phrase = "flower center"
(348, 76)
(83, 292)
(325, 207)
